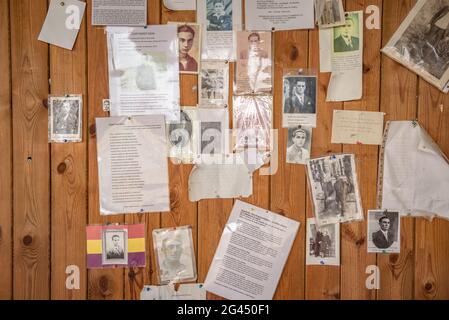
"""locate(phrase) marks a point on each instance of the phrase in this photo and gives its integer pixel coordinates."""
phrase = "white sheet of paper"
(325, 36)
(219, 40)
(144, 71)
(251, 254)
(415, 172)
(62, 23)
(188, 291)
(119, 13)
(346, 82)
(180, 5)
(132, 164)
(357, 127)
(279, 14)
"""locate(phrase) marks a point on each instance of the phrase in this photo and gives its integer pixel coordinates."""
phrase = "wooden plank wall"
(48, 193)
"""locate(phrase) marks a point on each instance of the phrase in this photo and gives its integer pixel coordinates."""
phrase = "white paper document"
(119, 12)
(414, 174)
(279, 14)
(62, 23)
(180, 5)
(132, 164)
(219, 20)
(357, 127)
(144, 71)
(188, 291)
(251, 254)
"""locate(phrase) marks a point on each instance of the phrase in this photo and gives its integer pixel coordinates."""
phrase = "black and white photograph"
(219, 15)
(65, 118)
(384, 231)
(299, 143)
(334, 189)
(330, 13)
(115, 247)
(180, 135)
(347, 36)
(213, 84)
(322, 244)
(422, 43)
(175, 254)
(299, 101)
(211, 138)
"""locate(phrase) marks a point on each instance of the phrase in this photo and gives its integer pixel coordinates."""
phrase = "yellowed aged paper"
(357, 127)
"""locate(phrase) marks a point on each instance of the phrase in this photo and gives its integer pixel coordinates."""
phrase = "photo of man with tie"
(345, 37)
(384, 231)
(302, 96)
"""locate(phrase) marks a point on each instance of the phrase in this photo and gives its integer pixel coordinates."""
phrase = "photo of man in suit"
(217, 19)
(300, 101)
(117, 251)
(186, 38)
(346, 41)
(384, 237)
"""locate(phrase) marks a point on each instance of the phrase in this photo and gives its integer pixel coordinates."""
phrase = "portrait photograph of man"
(65, 118)
(189, 47)
(115, 247)
(383, 231)
(346, 37)
(301, 97)
(299, 145)
(219, 15)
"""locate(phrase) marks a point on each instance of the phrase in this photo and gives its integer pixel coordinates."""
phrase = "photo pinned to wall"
(115, 247)
(182, 137)
(323, 244)
(213, 84)
(346, 38)
(384, 231)
(189, 41)
(299, 101)
(254, 63)
(65, 118)
(253, 122)
(334, 189)
(421, 43)
(214, 127)
(175, 255)
(299, 145)
(329, 13)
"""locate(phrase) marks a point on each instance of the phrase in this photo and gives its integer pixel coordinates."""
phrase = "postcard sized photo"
(346, 38)
(65, 118)
(299, 101)
(299, 143)
(330, 13)
(334, 189)
(175, 254)
(213, 84)
(254, 63)
(384, 234)
(189, 41)
(421, 43)
(115, 247)
(323, 244)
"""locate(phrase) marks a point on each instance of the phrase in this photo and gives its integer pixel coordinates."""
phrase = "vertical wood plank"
(5, 156)
(288, 185)
(102, 283)
(398, 102)
(68, 75)
(30, 151)
(355, 258)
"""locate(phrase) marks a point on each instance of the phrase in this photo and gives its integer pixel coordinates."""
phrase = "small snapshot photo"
(175, 254)
(219, 15)
(384, 231)
(115, 247)
(323, 244)
(347, 36)
(180, 134)
(212, 84)
(189, 41)
(211, 138)
(299, 101)
(299, 143)
(334, 189)
(330, 13)
(65, 118)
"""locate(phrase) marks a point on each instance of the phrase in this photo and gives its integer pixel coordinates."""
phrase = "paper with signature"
(357, 127)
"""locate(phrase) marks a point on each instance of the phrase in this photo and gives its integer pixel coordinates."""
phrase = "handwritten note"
(357, 127)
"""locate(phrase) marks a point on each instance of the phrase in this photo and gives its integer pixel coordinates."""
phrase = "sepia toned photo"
(334, 189)
(299, 143)
(189, 41)
(299, 101)
(322, 244)
(65, 118)
(213, 84)
(330, 13)
(347, 37)
(115, 247)
(219, 15)
(175, 254)
(384, 231)
(422, 44)
(254, 63)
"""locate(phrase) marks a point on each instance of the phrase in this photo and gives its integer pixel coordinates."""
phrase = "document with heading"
(132, 164)
(119, 12)
(251, 254)
(357, 127)
(279, 15)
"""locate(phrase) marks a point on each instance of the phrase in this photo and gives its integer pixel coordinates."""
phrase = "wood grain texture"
(31, 158)
(5, 155)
